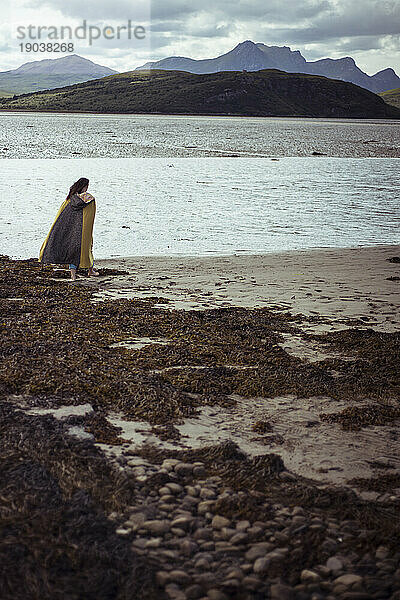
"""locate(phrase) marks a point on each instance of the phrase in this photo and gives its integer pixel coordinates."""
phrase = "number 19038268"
(46, 47)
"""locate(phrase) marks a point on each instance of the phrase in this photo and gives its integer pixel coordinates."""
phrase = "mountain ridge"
(264, 93)
(251, 56)
(51, 73)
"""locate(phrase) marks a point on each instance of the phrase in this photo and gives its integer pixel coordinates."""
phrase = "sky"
(367, 30)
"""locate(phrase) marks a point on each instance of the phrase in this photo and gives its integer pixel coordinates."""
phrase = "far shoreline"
(204, 115)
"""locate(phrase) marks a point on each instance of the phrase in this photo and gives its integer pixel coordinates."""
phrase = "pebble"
(202, 563)
(235, 574)
(169, 463)
(189, 548)
(219, 522)
(182, 522)
(190, 501)
(334, 564)
(174, 592)
(242, 525)
(156, 526)
(382, 552)
(179, 577)
(183, 469)
(139, 471)
(261, 565)
(194, 592)
(215, 594)
(204, 507)
(174, 488)
(207, 494)
(255, 532)
(203, 534)
(123, 531)
(153, 543)
(279, 591)
(162, 578)
(239, 538)
(348, 580)
(258, 551)
(251, 583)
(308, 576)
(178, 532)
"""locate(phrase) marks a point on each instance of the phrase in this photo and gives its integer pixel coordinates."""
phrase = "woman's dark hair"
(78, 186)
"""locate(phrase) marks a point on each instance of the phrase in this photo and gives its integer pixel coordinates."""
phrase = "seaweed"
(102, 430)
(56, 541)
(354, 418)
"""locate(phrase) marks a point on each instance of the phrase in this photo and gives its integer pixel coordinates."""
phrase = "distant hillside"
(254, 57)
(51, 73)
(392, 97)
(262, 93)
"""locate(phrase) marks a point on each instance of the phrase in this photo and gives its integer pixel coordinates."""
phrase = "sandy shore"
(347, 287)
(337, 283)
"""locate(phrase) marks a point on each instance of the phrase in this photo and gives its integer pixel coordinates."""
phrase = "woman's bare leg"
(73, 274)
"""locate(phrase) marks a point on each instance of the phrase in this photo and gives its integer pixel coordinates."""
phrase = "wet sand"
(346, 287)
(337, 283)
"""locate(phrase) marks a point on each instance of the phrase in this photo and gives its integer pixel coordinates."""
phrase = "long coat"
(70, 239)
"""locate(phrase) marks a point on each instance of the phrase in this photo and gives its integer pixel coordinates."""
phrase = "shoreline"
(326, 281)
(205, 115)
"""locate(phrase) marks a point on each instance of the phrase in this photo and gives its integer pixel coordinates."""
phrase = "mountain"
(262, 93)
(392, 97)
(51, 73)
(254, 57)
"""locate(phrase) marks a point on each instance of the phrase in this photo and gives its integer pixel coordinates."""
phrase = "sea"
(199, 185)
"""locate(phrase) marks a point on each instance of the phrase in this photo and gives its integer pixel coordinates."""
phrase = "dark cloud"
(211, 27)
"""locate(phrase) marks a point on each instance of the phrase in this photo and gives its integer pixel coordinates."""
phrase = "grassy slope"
(263, 93)
(392, 97)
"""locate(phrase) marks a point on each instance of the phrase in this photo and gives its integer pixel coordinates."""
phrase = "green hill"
(392, 97)
(263, 93)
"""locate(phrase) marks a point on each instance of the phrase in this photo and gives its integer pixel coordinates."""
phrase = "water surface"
(202, 206)
(52, 135)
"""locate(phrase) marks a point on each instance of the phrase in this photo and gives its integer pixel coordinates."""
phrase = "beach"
(231, 420)
(340, 288)
(332, 282)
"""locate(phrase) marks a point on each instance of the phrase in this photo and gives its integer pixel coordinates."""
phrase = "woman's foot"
(93, 273)
(73, 274)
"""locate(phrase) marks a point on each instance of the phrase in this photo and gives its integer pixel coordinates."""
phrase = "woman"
(70, 239)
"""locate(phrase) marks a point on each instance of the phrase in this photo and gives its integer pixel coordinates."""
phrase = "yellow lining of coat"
(86, 260)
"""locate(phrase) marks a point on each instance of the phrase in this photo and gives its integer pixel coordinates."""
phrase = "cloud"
(366, 30)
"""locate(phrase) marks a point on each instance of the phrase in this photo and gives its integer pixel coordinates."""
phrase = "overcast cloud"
(367, 30)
